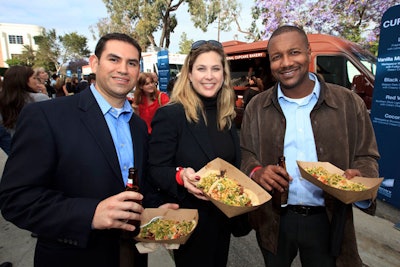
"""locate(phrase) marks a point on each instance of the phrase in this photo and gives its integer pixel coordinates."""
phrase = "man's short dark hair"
(289, 28)
(115, 36)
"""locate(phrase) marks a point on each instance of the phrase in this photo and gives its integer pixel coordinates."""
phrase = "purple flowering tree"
(358, 21)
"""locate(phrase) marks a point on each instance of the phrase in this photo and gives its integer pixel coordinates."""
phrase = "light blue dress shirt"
(118, 124)
(299, 144)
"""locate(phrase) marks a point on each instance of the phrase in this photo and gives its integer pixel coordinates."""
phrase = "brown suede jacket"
(343, 136)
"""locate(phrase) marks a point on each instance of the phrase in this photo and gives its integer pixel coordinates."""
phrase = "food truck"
(338, 60)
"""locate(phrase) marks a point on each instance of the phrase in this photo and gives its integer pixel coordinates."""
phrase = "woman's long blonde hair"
(184, 94)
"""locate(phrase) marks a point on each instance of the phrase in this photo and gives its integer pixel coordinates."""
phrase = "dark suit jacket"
(62, 164)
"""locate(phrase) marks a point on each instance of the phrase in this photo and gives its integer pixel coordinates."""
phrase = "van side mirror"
(363, 88)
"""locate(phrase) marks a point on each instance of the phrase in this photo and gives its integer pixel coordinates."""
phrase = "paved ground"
(378, 242)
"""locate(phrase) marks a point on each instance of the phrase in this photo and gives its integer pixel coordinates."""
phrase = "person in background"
(256, 69)
(5, 137)
(83, 84)
(92, 78)
(303, 118)
(74, 83)
(42, 77)
(50, 89)
(69, 87)
(192, 130)
(147, 98)
(75, 199)
(155, 79)
(5, 147)
(19, 85)
(38, 87)
(54, 79)
(59, 87)
(254, 87)
(5, 140)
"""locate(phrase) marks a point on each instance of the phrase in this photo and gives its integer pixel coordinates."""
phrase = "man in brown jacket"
(304, 118)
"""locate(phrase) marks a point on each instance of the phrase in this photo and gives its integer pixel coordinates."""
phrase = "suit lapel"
(200, 133)
(96, 124)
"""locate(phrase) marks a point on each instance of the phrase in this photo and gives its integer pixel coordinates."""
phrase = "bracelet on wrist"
(178, 175)
(254, 170)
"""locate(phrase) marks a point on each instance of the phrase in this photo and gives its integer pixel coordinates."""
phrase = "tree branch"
(175, 7)
(240, 29)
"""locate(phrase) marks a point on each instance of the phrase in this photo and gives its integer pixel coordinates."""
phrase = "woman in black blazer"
(193, 129)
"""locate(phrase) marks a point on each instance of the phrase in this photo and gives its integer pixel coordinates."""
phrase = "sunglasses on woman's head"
(199, 43)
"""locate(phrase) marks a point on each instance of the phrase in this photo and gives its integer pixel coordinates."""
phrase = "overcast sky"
(67, 16)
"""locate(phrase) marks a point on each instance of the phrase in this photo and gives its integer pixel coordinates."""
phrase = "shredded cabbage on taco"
(165, 229)
(335, 180)
(206, 182)
(226, 190)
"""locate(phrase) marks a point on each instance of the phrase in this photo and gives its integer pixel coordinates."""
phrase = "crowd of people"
(78, 150)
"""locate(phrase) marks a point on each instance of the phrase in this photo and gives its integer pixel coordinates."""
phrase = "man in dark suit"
(66, 174)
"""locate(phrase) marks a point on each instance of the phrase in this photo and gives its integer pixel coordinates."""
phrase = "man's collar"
(105, 106)
(316, 90)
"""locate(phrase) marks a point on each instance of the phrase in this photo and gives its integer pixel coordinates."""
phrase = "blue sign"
(69, 73)
(79, 72)
(385, 112)
(141, 65)
(163, 69)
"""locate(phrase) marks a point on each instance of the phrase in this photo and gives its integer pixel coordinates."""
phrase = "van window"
(336, 69)
(352, 71)
(367, 59)
(174, 69)
(371, 66)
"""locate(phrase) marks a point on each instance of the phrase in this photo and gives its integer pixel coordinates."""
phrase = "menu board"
(385, 112)
(163, 69)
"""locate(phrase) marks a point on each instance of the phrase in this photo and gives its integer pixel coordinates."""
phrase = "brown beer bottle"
(280, 199)
(133, 185)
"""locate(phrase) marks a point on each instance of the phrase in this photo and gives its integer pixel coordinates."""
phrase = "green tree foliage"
(227, 13)
(185, 44)
(142, 18)
(55, 51)
(15, 61)
(74, 47)
(27, 58)
(49, 50)
(28, 55)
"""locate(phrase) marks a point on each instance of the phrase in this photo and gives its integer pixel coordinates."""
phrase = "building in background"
(13, 37)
